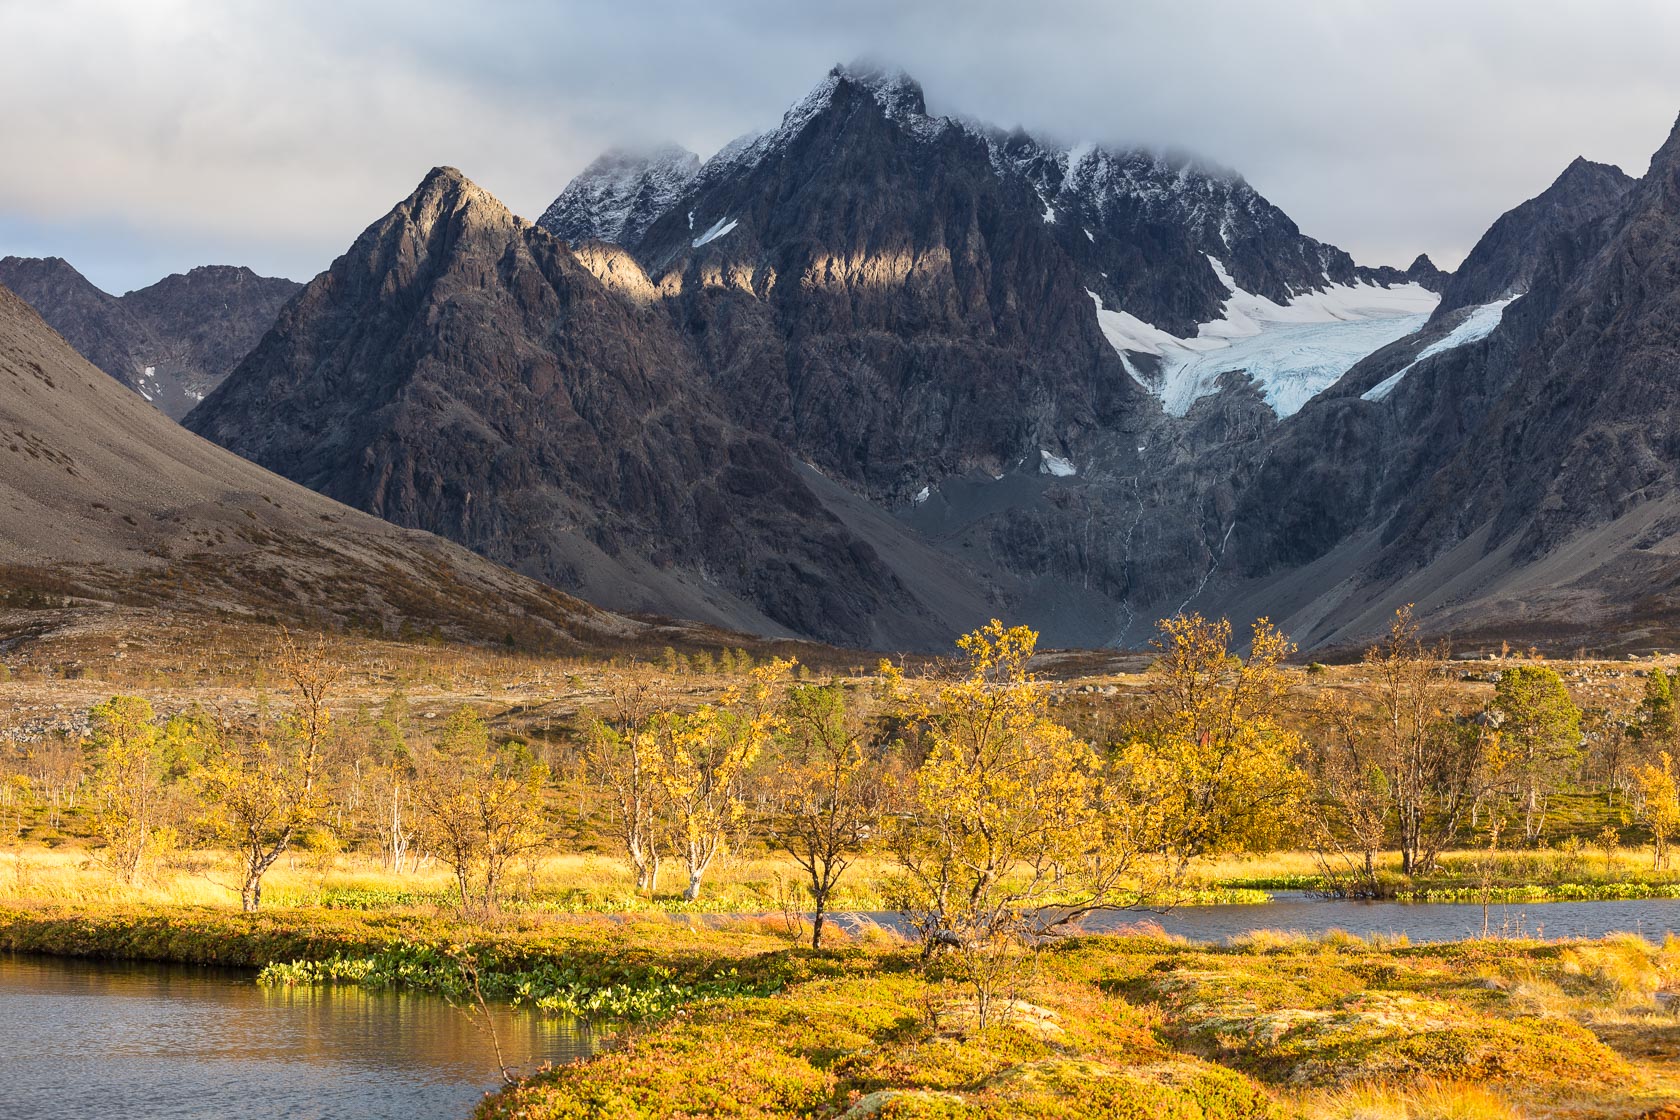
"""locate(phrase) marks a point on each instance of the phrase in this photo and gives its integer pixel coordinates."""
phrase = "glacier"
(1472, 328)
(1291, 351)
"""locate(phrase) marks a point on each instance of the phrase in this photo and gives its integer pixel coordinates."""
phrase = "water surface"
(1421, 922)
(113, 1041)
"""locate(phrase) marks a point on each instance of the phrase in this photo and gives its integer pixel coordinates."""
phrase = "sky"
(144, 137)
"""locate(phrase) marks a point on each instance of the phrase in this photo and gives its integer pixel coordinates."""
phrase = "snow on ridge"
(606, 194)
(898, 95)
(1055, 465)
(1477, 325)
(1291, 351)
(719, 228)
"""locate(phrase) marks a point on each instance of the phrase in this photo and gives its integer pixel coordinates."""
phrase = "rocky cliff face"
(171, 342)
(459, 369)
(1504, 261)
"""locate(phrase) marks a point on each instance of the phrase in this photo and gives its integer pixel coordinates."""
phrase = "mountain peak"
(444, 191)
(1668, 156)
(618, 195)
(1583, 171)
(898, 94)
(440, 181)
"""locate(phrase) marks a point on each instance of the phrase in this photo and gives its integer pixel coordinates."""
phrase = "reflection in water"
(86, 1039)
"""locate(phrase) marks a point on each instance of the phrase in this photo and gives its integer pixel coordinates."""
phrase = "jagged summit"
(1503, 263)
(172, 342)
(617, 196)
(447, 188)
(898, 94)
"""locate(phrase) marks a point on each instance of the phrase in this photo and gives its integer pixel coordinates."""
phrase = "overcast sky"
(142, 137)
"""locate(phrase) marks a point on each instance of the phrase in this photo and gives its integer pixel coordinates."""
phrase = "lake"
(86, 1039)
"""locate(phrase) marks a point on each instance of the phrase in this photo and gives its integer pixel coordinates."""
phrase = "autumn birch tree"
(260, 788)
(622, 759)
(703, 761)
(128, 795)
(1661, 809)
(482, 806)
(825, 790)
(1210, 763)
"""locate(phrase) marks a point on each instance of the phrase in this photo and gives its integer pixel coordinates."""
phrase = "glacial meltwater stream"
(82, 1040)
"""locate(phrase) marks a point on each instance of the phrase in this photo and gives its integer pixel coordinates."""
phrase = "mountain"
(850, 378)
(104, 498)
(461, 370)
(1503, 262)
(875, 373)
(1512, 469)
(620, 194)
(171, 342)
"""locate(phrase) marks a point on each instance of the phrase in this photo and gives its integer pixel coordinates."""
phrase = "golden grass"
(1426, 1100)
(563, 881)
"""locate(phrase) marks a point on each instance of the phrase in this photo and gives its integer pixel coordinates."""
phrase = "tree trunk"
(820, 901)
(693, 891)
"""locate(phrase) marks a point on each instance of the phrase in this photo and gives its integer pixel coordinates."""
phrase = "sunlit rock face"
(460, 370)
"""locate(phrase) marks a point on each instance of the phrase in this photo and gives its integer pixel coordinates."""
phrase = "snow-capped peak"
(616, 197)
(898, 95)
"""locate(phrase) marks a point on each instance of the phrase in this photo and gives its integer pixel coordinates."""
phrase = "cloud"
(273, 133)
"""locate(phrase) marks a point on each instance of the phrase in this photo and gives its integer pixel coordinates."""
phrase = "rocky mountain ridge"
(106, 500)
(173, 341)
(926, 372)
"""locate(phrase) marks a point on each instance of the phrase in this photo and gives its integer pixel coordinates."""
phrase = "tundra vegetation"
(385, 814)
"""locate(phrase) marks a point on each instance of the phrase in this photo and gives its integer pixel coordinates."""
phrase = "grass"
(1544, 875)
(1140, 1026)
(576, 883)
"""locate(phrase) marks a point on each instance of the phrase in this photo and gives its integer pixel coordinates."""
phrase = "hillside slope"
(104, 498)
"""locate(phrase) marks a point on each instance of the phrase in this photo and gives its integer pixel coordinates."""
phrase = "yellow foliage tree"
(260, 791)
(618, 752)
(482, 805)
(130, 801)
(825, 789)
(703, 760)
(1009, 831)
(1209, 766)
(1661, 811)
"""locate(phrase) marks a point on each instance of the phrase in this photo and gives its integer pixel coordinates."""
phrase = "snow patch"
(922, 495)
(1055, 465)
(719, 228)
(1473, 328)
(1292, 351)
